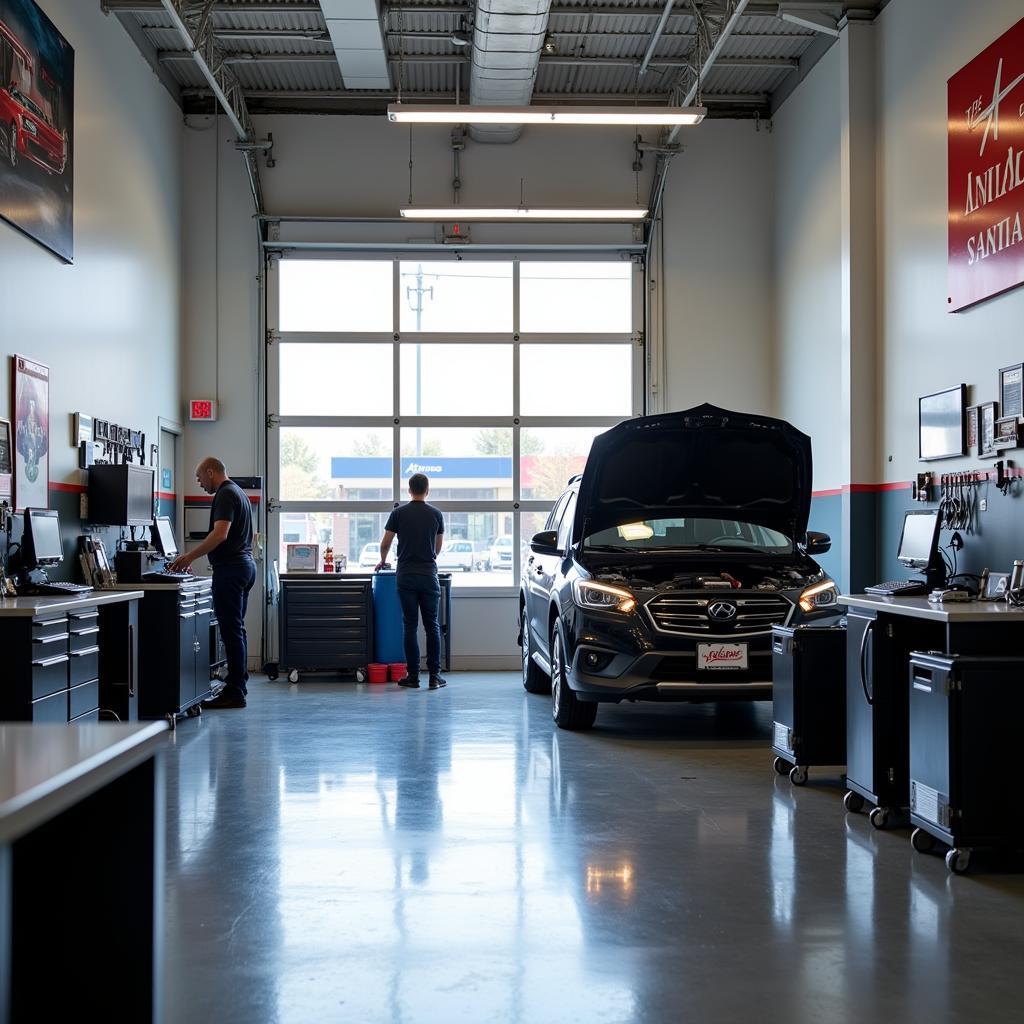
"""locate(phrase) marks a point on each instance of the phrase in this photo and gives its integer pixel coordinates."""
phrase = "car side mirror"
(817, 543)
(545, 543)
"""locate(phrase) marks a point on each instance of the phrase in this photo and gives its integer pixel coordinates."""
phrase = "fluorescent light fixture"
(460, 213)
(439, 113)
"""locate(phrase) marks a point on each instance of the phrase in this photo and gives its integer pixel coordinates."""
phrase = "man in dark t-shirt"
(419, 528)
(228, 547)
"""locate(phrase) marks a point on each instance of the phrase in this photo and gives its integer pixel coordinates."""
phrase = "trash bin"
(387, 619)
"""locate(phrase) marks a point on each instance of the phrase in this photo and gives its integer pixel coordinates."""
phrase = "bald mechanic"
(228, 546)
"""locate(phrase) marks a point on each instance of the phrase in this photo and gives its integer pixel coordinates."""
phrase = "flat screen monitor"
(163, 537)
(941, 422)
(919, 543)
(42, 537)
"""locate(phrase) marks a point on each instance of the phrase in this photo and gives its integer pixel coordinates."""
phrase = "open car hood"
(703, 462)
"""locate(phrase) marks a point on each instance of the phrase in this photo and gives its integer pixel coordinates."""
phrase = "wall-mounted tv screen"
(941, 421)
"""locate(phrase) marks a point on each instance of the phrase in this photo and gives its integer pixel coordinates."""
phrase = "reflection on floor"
(343, 853)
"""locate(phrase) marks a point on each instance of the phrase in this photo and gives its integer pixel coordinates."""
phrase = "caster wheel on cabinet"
(923, 842)
(195, 711)
(879, 817)
(293, 676)
(271, 670)
(853, 802)
(958, 861)
(781, 766)
(360, 676)
(798, 775)
(172, 721)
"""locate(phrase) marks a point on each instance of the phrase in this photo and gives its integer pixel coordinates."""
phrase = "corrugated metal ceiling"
(597, 48)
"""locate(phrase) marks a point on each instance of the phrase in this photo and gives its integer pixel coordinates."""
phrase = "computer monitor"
(919, 543)
(41, 540)
(163, 537)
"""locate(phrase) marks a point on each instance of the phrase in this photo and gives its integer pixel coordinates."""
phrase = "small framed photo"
(987, 416)
(1008, 429)
(972, 428)
(6, 460)
(1011, 397)
(995, 586)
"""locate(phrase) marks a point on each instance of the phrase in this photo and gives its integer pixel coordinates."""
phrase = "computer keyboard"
(898, 588)
(62, 588)
(166, 577)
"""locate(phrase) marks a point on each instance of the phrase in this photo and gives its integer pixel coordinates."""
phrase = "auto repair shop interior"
(703, 318)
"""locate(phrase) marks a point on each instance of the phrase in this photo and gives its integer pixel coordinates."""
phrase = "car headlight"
(818, 596)
(592, 594)
(29, 126)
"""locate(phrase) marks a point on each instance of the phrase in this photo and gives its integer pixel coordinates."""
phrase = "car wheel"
(568, 711)
(12, 145)
(534, 680)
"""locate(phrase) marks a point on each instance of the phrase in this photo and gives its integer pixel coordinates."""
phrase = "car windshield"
(690, 535)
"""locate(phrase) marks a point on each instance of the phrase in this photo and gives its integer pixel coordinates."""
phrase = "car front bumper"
(637, 664)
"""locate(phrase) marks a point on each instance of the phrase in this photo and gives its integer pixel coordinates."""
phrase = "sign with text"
(986, 172)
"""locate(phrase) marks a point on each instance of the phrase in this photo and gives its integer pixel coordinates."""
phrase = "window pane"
(336, 464)
(456, 380)
(455, 297)
(336, 295)
(549, 456)
(576, 380)
(576, 297)
(530, 524)
(463, 464)
(355, 537)
(336, 380)
(488, 538)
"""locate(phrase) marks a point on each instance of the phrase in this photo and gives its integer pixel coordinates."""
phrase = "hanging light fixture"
(440, 113)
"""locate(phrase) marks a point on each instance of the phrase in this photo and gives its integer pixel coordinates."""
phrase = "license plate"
(716, 657)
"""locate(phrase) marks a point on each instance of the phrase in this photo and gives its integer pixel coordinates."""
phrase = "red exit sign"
(202, 409)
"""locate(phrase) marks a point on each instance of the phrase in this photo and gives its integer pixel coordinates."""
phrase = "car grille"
(689, 616)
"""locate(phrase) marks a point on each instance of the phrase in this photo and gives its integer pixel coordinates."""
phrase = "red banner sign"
(986, 172)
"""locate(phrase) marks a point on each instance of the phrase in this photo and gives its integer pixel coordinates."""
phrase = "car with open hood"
(663, 567)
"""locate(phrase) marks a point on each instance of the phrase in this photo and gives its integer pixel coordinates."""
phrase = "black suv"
(662, 569)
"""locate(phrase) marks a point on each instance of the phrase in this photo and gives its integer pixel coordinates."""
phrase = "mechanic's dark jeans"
(231, 586)
(420, 595)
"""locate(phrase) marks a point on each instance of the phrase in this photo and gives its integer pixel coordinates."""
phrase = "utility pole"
(416, 305)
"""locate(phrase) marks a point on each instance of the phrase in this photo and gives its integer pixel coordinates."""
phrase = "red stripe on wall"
(167, 495)
(207, 499)
(900, 485)
(68, 488)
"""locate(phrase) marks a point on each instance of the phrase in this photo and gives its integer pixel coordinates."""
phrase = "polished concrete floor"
(363, 854)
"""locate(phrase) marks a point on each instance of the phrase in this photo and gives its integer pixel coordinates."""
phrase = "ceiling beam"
(783, 63)
(202, 48)
(441, 97)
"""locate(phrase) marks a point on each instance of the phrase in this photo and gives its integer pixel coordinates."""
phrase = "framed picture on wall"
(1011, 399)
(987, 416)
(37, 112)
(31, 405)
(972, 428)
(6, 460)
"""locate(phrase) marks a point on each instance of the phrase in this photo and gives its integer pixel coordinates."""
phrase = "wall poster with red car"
(37, 103)
(986, 172)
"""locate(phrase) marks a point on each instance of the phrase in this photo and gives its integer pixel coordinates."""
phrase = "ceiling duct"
(508, 37)
(358, 40)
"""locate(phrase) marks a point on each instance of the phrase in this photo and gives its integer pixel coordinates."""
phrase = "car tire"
(568, 711)
(534, 680)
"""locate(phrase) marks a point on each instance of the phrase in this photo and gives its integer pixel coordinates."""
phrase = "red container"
(377, 673)
(398, 671)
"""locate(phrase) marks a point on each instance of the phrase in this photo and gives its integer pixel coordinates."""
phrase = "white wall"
(718, 245)
(806, 266)
(923, 347)
(108, 326)
(717, 285)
